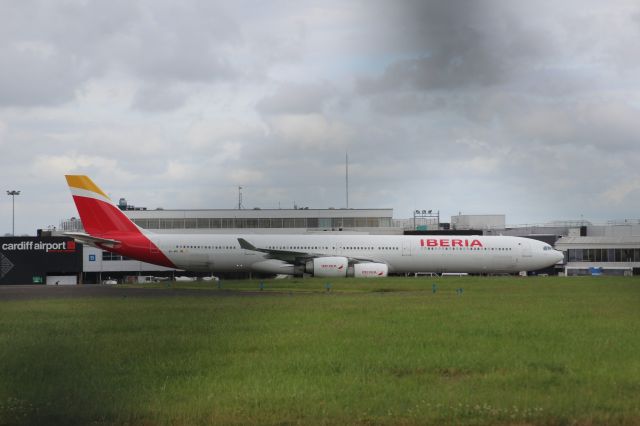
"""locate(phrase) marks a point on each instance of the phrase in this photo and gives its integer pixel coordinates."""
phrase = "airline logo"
(371, 273)
(450, 242)
(100, 217)
(61, 247)
(332, 266)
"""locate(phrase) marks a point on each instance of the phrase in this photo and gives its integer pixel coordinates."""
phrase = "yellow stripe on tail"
(84, 182)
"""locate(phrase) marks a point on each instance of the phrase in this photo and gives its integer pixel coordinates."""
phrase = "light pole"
(13, 194)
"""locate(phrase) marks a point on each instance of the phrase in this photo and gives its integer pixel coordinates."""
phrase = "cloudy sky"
(530, 109)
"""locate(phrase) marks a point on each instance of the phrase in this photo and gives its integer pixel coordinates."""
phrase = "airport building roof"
(262, 220)
(258, 213)
(565, 243)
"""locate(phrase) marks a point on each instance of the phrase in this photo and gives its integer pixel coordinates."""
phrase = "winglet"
(246, 244)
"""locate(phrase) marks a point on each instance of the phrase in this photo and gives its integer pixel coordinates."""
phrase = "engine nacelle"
(330, 266)
(370, 270)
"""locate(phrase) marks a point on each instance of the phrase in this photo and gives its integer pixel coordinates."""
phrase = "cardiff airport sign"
(24, 260)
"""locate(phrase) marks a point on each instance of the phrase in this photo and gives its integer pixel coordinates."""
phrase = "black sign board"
(27, 260)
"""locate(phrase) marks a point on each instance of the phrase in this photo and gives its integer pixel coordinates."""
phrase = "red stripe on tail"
(99, 217)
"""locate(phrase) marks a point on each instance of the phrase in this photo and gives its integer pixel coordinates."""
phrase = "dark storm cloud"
(451, 45)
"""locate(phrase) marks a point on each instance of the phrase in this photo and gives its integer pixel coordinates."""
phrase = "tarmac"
(32, 292)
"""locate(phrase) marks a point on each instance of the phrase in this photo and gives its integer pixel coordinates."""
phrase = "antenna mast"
(346, 175)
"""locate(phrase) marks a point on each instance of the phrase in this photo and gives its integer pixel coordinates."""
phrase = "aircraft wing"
(286, 255)
(296, 256)
(83, 238)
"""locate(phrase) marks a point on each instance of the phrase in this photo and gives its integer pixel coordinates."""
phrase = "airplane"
(329, 255)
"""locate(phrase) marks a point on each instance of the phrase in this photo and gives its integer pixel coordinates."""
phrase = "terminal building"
(612, 248)
(278, 221)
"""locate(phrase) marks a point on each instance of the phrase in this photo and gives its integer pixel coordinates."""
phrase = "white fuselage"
(402, 254)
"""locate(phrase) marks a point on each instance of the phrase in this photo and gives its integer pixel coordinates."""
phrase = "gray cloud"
(406, 103)
(481, 107)
(49, 50)
(33, 75)
(296, 99)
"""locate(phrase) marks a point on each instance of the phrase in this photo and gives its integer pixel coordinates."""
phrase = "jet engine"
(336, 266)
(330, 266)
(370, 270)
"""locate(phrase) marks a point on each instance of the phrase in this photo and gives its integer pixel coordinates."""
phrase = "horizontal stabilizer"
(83, 238)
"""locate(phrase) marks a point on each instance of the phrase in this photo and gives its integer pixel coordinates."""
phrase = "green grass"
(507, 351)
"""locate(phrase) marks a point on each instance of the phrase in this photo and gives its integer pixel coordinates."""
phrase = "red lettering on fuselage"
(446, 242)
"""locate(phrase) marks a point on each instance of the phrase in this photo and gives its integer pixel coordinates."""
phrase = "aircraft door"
(406, 246)
(338, 248)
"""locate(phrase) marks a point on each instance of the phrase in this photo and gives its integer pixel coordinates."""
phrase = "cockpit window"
(545, 248)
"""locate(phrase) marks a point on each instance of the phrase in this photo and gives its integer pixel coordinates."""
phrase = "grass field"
(511, 351)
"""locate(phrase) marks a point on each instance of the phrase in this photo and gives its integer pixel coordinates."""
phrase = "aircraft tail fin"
(98, 213)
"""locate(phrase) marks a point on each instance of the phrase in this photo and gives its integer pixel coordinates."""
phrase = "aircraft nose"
(558, 255)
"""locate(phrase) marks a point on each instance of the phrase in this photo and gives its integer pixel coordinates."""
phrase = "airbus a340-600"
(327, 255)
